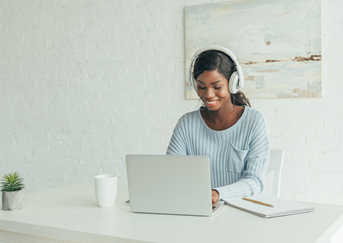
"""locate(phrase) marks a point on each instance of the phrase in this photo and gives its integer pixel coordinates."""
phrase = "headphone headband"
(236, 84)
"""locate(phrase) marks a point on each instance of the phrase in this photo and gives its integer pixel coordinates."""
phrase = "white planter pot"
(13, 200)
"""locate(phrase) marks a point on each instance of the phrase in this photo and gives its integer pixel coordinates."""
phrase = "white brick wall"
(83, 83)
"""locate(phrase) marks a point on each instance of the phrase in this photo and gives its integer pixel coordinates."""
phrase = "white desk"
(70, 214)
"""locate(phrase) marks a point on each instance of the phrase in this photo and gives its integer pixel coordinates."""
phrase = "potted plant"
(12, 186)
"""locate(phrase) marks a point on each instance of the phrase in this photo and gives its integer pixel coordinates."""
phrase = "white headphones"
(236, 81)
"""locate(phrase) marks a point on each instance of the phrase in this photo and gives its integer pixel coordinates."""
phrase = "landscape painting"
(277, 43)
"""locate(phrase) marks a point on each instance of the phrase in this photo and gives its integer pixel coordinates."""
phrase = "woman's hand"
(215, 196)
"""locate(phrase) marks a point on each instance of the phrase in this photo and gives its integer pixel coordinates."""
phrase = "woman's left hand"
(215, 196)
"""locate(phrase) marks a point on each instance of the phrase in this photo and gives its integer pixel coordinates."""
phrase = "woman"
(226, 129)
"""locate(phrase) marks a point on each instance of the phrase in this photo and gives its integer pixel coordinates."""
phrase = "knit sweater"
(239, 155)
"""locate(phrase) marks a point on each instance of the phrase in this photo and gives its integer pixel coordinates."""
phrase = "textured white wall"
(83, 83)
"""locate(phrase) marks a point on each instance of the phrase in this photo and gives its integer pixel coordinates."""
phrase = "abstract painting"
(277, 43)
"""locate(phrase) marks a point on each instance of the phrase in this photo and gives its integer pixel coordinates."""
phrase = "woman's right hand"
(215, 196)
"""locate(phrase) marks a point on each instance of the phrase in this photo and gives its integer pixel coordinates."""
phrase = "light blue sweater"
(239, 155)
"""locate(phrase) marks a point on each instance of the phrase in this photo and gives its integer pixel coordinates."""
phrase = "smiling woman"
(217, 100)
(226, 129)
(213, 60)
(212, 72)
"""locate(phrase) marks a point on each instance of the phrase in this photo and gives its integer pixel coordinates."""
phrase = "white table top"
(70, 213)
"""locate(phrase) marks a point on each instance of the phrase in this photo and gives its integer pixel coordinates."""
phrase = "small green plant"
(12, 182)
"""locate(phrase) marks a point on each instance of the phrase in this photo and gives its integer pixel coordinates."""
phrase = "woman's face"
(213, 90)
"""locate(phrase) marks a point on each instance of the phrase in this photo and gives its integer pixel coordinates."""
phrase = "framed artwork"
(277, 43)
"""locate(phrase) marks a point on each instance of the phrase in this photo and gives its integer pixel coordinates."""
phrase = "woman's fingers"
(215, 196)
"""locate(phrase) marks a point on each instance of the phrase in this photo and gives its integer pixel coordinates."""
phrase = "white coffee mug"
(105, 189)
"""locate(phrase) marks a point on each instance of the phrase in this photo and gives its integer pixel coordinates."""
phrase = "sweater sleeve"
(177, 144)
(256, 162)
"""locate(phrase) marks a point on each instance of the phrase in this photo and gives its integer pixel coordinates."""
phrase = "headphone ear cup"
(194, 84)
(234, 79)
(191, 80)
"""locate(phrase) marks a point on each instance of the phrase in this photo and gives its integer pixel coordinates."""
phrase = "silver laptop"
(170, 184)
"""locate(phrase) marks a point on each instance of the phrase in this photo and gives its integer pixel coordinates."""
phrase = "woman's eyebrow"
(211, 83)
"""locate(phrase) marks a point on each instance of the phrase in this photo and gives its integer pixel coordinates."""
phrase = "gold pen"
(258, 202)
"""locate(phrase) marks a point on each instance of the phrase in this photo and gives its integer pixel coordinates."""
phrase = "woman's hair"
(216, 60)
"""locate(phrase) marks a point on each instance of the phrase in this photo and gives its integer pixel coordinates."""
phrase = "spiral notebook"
(281, 207)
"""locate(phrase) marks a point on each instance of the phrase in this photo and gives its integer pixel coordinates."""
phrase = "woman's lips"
(211, 103)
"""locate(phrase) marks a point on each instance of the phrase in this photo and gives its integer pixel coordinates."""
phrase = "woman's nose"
(209, 93)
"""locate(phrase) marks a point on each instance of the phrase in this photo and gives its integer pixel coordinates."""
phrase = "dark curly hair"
(217, 60)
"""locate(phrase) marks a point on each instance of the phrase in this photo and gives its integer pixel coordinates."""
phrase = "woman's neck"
(219, 116)
(223, 118)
